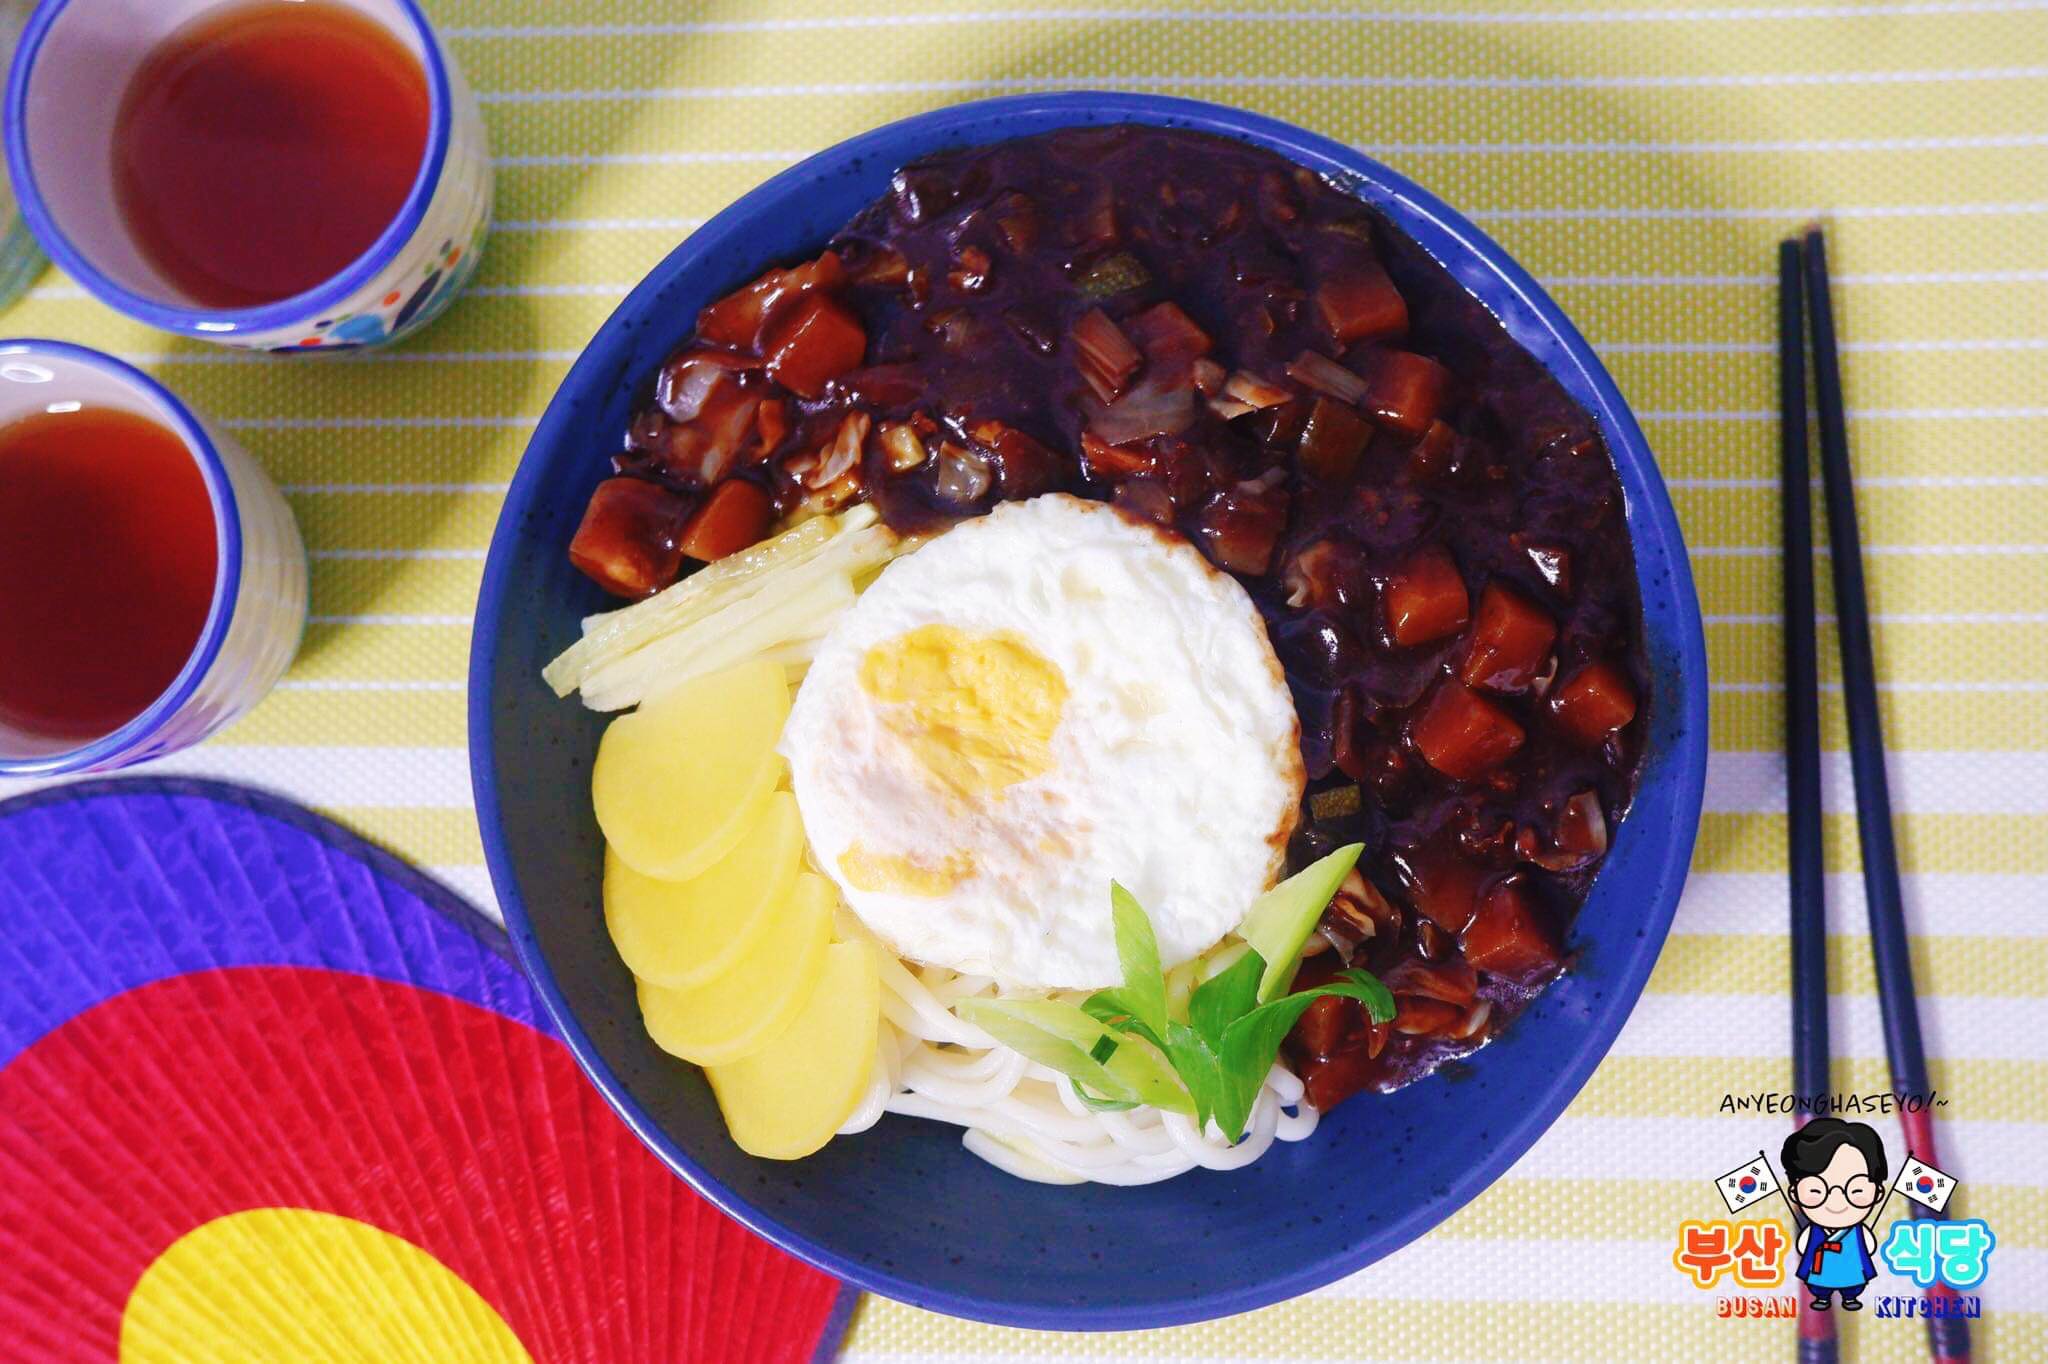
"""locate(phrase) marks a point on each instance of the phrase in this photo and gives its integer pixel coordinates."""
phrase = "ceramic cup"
(259, 589)
(21, 260)
(62, 98)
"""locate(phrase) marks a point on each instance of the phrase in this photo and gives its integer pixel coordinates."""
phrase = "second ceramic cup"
(257, 608)
(62, 104)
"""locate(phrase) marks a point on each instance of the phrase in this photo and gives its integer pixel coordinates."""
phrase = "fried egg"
(1033, 704)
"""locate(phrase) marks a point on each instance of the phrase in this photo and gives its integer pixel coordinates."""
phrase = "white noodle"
(1024, 1118)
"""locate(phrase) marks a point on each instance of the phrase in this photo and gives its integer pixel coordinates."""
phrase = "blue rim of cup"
(319, 301)
(227, 576)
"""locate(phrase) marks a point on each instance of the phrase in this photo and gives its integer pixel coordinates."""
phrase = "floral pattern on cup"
(401, 311)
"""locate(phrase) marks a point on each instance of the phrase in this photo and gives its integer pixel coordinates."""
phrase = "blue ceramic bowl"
(902, 1209)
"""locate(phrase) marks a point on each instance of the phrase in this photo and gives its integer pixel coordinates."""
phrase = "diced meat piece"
(735, 515)
(1024, 466)
(1594, 702)
(1209, 377)
(1325, 375)
(1168, 336)
(1328, 1023)
(1359, 303)
(1102, 462)
(1425, 598)
(1435, 454)
(1419, 1017)
(1441, 885)
(1189, 474)
(1462, 734)
(1332, 439)
(1404, 391)
(1239, 526)
(1331, 1080)
(1146, 498)
(629, 541)
(1511, 640)
(1104, 355)
(883, 386)
(1509, 936)
(818, 342)
(1315, 647)
(743, 317)
(1279, 427)
(1451, 980)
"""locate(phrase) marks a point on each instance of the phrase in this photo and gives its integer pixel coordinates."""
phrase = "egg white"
(1175, 764)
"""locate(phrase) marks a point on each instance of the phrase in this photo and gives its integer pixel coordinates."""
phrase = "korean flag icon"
(1925, 1185)
(1747, 1183)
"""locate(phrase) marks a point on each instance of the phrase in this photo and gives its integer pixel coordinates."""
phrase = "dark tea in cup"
(108, 561)
(261, 148)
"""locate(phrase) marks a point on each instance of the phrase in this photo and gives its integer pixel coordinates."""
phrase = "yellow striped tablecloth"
(1641, 157)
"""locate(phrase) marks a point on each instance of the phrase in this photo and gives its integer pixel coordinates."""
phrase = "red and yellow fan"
(267, 1094)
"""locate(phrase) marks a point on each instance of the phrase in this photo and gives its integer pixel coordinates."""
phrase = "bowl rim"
(1651, 518)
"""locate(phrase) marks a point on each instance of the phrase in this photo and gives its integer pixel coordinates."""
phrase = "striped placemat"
(1642, 160)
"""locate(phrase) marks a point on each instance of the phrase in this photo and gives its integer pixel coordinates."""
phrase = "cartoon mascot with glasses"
(1836, 1171)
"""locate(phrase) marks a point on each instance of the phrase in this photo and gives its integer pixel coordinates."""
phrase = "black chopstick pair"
(1804, 298)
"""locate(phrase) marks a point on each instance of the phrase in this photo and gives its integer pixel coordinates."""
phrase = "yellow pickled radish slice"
(747, 1006)
(786, 1100)
(678, 933)
(677, 782)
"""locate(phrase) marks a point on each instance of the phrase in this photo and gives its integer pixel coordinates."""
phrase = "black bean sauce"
(1366, 475)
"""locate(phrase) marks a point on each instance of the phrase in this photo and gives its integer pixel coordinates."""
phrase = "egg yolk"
(976, 710)
(895, 874)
